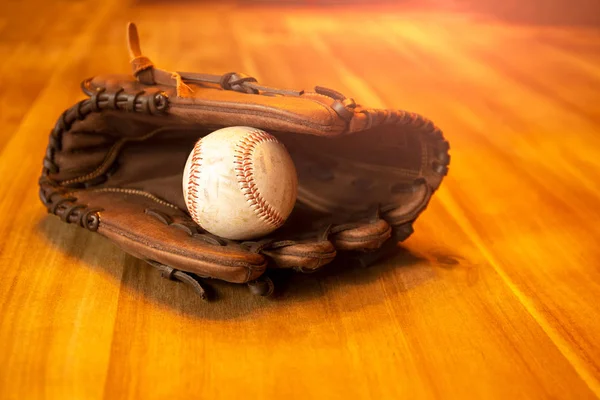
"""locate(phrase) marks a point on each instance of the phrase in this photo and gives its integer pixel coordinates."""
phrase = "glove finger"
(155, 231)
(361, 236)
(302, 256)
(394, 166)
(309, 240)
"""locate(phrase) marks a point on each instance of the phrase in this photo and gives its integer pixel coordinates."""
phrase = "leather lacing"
(184, 277)
(147, 73)
(56, 197)
(263, 286)
(58, 202)
(239, 82)
(186, 225)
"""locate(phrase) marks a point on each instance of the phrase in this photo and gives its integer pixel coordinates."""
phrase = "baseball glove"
(115, 160)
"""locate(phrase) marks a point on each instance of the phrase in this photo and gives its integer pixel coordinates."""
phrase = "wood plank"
(493, 297)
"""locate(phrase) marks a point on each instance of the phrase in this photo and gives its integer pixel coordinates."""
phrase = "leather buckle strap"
(237, 82)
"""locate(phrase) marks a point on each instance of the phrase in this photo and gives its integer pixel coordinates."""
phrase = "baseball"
(239, 183)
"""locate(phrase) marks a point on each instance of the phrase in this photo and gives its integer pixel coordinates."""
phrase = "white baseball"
(239, 183)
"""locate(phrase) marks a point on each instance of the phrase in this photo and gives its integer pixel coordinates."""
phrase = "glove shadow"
(137, 279)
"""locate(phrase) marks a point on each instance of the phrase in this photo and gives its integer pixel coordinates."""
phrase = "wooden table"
(495, 296)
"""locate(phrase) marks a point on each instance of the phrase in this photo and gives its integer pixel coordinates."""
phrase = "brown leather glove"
(115, 161)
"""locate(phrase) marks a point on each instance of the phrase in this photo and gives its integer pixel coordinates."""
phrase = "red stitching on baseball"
(192, 191)
(244, 171)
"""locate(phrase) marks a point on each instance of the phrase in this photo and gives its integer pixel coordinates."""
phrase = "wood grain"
(495, 295)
